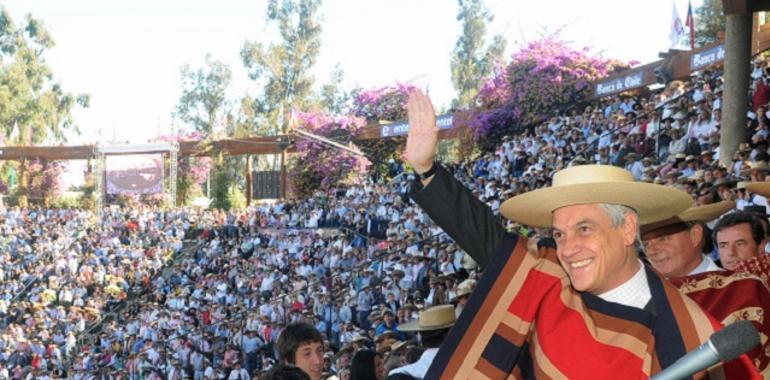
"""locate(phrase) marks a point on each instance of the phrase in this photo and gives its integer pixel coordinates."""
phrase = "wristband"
(424, 176)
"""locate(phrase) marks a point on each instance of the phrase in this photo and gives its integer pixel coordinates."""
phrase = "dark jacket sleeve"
(464, 218)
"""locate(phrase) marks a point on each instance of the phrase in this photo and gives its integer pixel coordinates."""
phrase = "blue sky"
(127, 54)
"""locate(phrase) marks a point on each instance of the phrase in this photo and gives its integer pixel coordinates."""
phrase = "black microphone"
(723, 346)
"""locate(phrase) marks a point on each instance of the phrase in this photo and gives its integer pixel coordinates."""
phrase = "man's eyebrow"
(576, 224)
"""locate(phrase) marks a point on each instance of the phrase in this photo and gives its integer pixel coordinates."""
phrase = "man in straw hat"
(464, 291)
(584, 307)
(674, 248)
(432, 326)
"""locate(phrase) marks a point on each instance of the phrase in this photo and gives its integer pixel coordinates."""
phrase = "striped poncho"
(524, 320)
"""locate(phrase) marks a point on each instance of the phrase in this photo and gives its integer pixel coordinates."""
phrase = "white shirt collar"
(419, 368)
(706, 265)
(635, 292)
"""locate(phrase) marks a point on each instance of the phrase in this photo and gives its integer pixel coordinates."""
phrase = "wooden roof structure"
(228, 147)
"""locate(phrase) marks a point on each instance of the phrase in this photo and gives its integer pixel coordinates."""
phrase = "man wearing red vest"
(579, 306)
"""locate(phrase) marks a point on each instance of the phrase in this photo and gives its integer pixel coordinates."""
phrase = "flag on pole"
(690, 22)
(676, 34)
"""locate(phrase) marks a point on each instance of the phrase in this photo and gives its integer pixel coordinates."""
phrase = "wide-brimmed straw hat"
(703, 214)
(590, 184)
(398, 346)
(463, 291)
(434, 318)
(755, 166)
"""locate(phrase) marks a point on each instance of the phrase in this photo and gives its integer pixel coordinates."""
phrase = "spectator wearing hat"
(675, 246)
(238, 373)
(756, 171)
(464, 290)
(433, 326)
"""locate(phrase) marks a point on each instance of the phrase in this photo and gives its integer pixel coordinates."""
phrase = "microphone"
(723, 346)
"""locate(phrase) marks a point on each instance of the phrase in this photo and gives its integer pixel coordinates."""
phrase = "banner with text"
(707, 57)
(621, 84)
(402, 128)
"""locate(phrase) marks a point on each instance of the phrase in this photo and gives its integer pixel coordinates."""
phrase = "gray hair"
(617, 214)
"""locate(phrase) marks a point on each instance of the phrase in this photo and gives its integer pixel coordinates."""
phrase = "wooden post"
(249, 180)
(736, 86)
(283, 174)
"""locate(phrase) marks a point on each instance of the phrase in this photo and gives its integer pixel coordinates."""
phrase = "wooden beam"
(79, 152)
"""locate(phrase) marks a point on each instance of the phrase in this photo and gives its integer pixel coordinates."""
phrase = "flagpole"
(691, 24)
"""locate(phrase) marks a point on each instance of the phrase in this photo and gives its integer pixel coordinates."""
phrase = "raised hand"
(422, 140)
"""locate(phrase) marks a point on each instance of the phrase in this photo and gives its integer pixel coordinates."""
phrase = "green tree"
(709, 21)
(204, 107)
(470, 60)
(283, 69)
(34, 108)
(203, 104)
(333, 97)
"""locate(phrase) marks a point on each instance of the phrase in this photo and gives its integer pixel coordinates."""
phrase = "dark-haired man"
(300, 344)
(739, 236)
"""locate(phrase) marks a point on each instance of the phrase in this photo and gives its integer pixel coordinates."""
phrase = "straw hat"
(703, 214)
(385, 345)
(398, 346)
(761, 188)
(463, 291)
(434, 318)
(589, 184)
(387, 334)
(752, 166)
(466, 287)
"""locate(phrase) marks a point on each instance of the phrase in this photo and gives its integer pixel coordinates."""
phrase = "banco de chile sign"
(402, 128)
(707, 57)
(621, 84)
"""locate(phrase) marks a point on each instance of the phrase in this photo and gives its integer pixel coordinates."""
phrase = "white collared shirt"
(419, 368)
(706, 265)
(635, 292)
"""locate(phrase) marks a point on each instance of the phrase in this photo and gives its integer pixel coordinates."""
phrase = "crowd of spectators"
(62, 270)
(355, 262)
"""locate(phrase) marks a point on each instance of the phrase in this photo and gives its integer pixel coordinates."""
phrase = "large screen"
(135, 174)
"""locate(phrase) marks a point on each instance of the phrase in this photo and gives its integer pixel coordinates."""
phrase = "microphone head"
(735, 339)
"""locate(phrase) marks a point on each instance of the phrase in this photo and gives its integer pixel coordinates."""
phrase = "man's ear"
(630, 228)
(696, 234)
